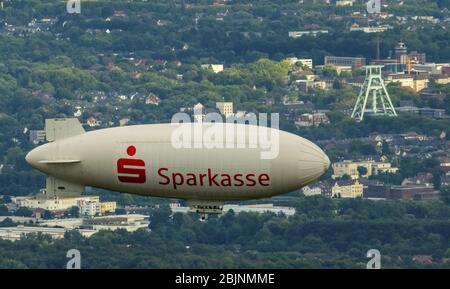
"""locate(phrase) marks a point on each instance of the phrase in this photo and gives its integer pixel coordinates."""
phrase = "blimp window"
(61, 188)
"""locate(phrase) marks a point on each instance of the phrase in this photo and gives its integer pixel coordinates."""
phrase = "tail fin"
(61, 189)
(59, 128)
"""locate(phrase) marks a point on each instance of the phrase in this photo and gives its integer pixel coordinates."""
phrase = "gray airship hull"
(155, 167)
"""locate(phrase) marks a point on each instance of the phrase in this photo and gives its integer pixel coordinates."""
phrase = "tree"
(445, 194)
(47, 215)
(6, 199)
(23, 212)
(329, 70)
(385, 148)
(7, 223)
(4, 211)
(160, 217)
(346, 177)
(362, 171)
(74, 212)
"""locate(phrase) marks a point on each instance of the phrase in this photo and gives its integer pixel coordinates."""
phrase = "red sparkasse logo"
(131, 170)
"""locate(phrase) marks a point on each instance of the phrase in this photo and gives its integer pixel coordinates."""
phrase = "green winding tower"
(375, 90)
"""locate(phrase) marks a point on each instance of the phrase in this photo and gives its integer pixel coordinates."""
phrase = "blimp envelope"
(196, 162)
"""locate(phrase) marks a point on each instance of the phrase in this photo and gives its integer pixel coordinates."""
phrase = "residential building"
(315, 119)
(37, 136)
(445, 179)
(442, 80)
(260, 208)
(445, 165)
(89, 209)
(314, 33)
(308, 62)
(350, 168)
(225, 108)
(93, 122)
(347, 189)
(419, 179)
(152, 99)
(417, 58)
(376, 29)
(107, 207)
(414, 83)
(425, 111)
(312, 191)
(344, 2)
(216, 68)
(199, 116)
(305, 84)
(88, 205)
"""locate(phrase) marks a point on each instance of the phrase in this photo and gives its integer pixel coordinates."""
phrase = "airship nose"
(35, 157)
(326, 163)
(32, 158)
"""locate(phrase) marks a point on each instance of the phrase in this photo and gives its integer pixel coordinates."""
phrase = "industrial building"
(50, 204)
(16, 233)
(404, 192)
(130, 223)
(354, 62)
(257, 208)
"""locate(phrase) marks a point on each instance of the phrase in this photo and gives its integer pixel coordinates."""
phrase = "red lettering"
(264, 178)
(174, 178)
(212, 179)
(163, 176)
(251, 181)
(238, 178)
(192, 179)
(202, 176)
(134, 175)
(226, 180)
(179, 179)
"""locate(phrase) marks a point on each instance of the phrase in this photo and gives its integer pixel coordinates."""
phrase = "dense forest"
(324, 233)
(53, 64)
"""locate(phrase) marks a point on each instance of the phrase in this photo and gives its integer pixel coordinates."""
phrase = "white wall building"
(57, 204)
(308, 62)
(89, 209)
(258, 208)
(312, 191)
(16, 233)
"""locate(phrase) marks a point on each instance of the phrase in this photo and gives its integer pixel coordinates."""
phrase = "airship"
(143, 160)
